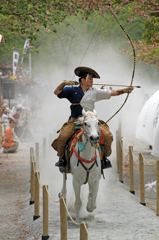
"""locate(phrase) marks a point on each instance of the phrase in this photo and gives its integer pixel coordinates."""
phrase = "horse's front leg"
(78, 203)
(93, 190)
(63, 190)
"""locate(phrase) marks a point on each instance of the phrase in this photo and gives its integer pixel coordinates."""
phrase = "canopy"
(147, 128)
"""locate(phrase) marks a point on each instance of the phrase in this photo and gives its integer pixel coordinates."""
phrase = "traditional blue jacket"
(74, 94)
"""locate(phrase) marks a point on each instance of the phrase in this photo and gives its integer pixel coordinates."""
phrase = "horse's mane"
(81, 119)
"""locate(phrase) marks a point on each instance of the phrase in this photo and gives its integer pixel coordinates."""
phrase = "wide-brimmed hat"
(78, 70)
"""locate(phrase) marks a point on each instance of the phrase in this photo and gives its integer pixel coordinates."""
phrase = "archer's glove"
(125, 90)
(66, 82)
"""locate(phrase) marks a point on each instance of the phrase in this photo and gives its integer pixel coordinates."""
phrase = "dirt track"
(119, 215)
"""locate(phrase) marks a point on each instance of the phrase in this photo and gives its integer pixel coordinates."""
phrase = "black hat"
(79, 70)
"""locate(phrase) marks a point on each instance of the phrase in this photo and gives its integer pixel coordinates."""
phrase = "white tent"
(147, 128)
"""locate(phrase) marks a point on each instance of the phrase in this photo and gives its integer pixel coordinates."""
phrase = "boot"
(62, 163)
(106, 163)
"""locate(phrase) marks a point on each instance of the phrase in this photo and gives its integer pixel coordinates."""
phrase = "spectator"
(14, 109)
(19, 126)
(18, 113)
(9, 144)
(3, 65)
(19, 68)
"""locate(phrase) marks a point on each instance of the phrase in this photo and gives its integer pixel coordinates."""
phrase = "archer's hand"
(70, 82)
(66, 82)
(125, 90)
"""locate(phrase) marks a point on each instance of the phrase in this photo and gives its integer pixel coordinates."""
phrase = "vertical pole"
(45, 235)
(33, 167)
(37, 156)
(44, 148)
(119, 128)
(63, 219)
(83, 233)
(142, 189)
(37, 196)
(157, 190)
(120, 161)
(31, 154)
(117, 150)
(131, 170)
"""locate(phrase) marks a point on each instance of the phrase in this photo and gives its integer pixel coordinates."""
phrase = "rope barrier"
(64, 205)
(51, 197)
(39, 181)
(75, 221)
(150, 164)
(86, 230)
(63, 202)
(69, 214)
(136, 160)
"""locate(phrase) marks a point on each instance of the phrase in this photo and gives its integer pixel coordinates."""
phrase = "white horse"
(85, 165)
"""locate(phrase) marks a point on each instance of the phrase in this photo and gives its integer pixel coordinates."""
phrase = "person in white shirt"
(83, 96)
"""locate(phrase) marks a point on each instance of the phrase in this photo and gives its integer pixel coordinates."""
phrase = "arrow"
(115, 85)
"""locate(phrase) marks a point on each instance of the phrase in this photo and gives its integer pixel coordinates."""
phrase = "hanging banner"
(15, 60)
(26, 45)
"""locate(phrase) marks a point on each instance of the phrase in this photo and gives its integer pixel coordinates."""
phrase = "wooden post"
(45, 235)
(157, 190)
(83, 233)
(142, 187)
(119, 128)
(31, 154)
(37, 156)
(37, 196)
(131, 170)
(120, 161)
(44, 148)
(63, 219)
(33, 167)
(117, 150)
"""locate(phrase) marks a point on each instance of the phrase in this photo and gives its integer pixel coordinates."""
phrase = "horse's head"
(91, 127)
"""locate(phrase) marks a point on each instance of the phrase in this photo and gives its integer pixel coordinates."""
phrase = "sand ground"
(119, 214)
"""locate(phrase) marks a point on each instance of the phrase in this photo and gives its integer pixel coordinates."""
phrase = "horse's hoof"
(89, 210)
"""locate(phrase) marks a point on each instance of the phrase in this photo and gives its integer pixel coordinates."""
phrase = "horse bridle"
(84, 131)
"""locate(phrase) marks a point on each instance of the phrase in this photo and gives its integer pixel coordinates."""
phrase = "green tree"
(27, 17)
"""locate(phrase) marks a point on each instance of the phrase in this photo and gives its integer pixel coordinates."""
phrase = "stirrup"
(106, 163)
(62, 163)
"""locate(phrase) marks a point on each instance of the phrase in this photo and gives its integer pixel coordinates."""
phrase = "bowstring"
(133, 65)
(87, 47)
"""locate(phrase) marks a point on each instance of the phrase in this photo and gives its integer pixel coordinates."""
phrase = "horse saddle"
(77, 137)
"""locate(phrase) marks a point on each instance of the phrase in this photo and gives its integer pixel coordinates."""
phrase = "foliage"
(27, 17)
(148, 11)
